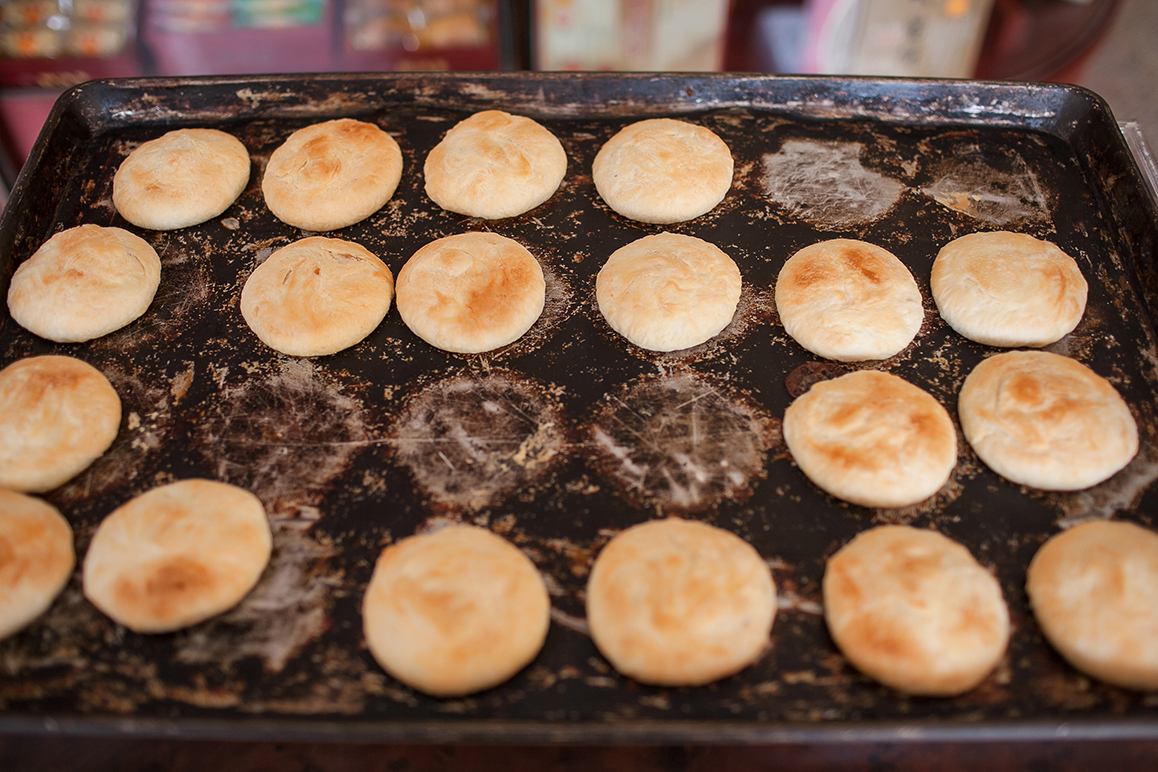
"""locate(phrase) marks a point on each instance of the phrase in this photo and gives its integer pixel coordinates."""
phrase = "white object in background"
(640, 35)
(909, 38)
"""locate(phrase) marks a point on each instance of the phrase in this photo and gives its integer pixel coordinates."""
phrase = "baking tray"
(571, 434)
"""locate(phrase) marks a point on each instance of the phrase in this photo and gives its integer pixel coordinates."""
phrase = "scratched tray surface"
(563, 438)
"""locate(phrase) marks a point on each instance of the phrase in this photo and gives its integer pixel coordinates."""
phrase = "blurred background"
(48, 45)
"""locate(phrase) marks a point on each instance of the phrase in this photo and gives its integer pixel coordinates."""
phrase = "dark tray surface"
(333, 445)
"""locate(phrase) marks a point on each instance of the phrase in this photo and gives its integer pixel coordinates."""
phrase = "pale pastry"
(849, 300)
(1046, 421)
(1094, 591)
(333, 174)
(58, 414)
(495, 165)
(455, 611)
(662, 170)
(317, 296)
(177, 555)
(36, 559)
(668, 291)
(471, 292)
(181, 178)
(1008, 289)
(872, 438)
(83, 283)
(914, 610)
(680, 603)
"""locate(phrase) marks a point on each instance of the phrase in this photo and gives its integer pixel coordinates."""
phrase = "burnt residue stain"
(998, 193)
(469, 442)
(284, 435)
(679, 444)
(826, 184)
(807, 375)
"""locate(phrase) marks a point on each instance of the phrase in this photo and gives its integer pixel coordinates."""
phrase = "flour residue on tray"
(471, 441)
(969, 185)
(676, 443)
(147, 410)
(288, 608)
(284, 436)
(825, 183)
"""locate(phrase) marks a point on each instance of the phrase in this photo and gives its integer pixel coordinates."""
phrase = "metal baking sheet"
(565, 437)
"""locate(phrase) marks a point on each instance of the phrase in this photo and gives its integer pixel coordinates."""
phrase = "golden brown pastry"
(914, 610)
(181, 178)
(677, 602)
(455, 611)
(57, 415)
(661, 170)
(668, 291)
(1094, 591)
(849, 300)
(872, 438)
(83, 283)
(494, 165)
(471, 292)
(36, 559)
(1008, 289)
(177, 555)
(317, 296)
(1047, 421)
(332, 174)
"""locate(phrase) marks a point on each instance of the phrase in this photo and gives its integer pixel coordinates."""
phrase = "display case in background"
(50, 45)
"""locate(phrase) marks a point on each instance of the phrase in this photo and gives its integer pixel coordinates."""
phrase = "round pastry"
(663, 171)
(57, 415)
(471, 292)
(317, 296)
(83, 283)
(667, 291)
(1094, 591)
(677, 602)
(182, 178)
(848, 300)
(914, 610)
(36, 559)
(872, 438)
(1046, 421)
(1008, 289)
(455, 611)
(494, 165)
(332, 174)
(177, 555)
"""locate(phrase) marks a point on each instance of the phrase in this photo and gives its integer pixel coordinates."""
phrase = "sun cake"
(495, 165)
(914, 610)
(1094, 591)
(36, 559)
(849, 300)
(663, 171)
(1046, 421)
(1008, 289)
(57, 415)
(177, 555)
(181, 178)
(317, 296)
(471, 292)
(680, 603)
(332, 174)
(872, 439)
(455, 611)
(668, 291)
(83, 283)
